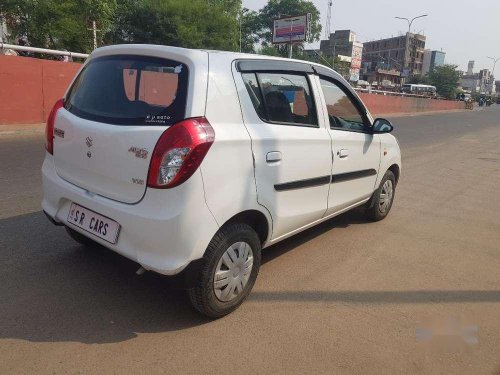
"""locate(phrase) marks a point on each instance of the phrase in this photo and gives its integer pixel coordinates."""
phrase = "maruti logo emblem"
(88, 141)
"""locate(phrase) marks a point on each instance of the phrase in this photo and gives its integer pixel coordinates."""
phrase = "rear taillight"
(49, 128)
(179, 152)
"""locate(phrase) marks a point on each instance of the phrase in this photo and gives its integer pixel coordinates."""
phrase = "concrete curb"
(21, 129)
(413, 114)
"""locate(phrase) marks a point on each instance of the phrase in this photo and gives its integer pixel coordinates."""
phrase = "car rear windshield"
(130, 90)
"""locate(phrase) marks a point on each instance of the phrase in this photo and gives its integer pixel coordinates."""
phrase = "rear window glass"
(130, 90)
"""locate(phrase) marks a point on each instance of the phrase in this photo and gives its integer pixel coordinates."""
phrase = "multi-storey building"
(343, 43)
(482, 82)
(432, 59)
(403, 54)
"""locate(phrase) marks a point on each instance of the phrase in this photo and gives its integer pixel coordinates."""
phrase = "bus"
(425, 90)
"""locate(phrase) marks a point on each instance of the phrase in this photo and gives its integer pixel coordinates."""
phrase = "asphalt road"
(416, 293)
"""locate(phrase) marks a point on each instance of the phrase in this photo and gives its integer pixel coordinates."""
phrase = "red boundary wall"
(29, 88)
(381, 105)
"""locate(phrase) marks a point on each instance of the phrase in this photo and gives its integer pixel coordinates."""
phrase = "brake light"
(49, 127)
(179, 152)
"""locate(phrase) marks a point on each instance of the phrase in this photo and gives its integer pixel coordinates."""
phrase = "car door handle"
(273, 156)
(343, 153)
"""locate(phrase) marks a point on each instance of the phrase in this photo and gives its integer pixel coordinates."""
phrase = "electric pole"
(94, 30)
(328, 19)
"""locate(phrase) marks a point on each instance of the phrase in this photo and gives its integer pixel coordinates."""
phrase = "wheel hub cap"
(386, 195)
(233, 271)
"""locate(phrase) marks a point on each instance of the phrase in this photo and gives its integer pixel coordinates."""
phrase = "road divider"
(29, 87)
(383, 105)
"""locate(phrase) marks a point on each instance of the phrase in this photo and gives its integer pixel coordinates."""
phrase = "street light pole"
(410, 22)
(333, 55)
(495, 60)
(494, 64)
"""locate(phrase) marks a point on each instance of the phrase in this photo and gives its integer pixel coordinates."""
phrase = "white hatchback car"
(189, 162)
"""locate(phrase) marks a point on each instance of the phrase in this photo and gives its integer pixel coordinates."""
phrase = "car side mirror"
(381, 126)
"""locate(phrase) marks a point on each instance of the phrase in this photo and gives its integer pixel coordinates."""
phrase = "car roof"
(230, 56)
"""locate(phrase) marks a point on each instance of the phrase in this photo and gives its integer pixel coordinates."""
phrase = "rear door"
(114, 113)
(356, 152)
(292, 152)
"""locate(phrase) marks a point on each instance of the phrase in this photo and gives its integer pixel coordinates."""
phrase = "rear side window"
(130, 90)
(281, 98)
(253, 89)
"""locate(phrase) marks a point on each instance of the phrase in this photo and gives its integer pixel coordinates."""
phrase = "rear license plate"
(94, 223)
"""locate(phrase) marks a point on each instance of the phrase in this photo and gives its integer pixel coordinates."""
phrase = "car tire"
(80, 238)
(381, 202)
(230, 268)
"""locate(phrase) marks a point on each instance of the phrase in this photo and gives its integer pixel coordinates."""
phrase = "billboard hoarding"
(357, 53)
(290, 29)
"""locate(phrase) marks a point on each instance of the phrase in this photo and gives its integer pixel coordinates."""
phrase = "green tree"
(420, 80)
(342, 67)
(191, 24)
(268, 51)
(250, 26)
(232, 7)
(445, 78)
(58, 24)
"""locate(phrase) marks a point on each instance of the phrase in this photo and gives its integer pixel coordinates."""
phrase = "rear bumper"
(164, 232)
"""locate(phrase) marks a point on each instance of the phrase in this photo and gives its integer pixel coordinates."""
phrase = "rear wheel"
(382, 198)
(80, 238)
(231, 266)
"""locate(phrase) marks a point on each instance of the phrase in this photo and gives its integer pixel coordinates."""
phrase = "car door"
(356, 152)
(292, 152)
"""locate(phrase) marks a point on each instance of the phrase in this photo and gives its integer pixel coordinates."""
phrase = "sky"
(465, 30)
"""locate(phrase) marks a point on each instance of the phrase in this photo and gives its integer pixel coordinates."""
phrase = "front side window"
(281, 98)
(342, 112)
(130, 90)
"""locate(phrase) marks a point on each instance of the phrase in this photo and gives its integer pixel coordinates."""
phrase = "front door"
(356, 152)
(292, 152)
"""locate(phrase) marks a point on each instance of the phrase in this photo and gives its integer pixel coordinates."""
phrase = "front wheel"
(382, 198)
(231, 265)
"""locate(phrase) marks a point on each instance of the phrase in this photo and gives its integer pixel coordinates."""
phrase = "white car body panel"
(363, 155)
(352, 152)
(305, 153)
(158, 233)
(107, 167)
(230, 158)
(390, 155)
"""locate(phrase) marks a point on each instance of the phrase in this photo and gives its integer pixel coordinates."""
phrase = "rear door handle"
(273, 156)
(343, 153)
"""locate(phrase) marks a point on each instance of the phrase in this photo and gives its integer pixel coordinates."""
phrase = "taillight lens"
(49, 127)
(179, 152)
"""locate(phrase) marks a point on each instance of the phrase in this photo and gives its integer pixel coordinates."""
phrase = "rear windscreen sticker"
(157, 119)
